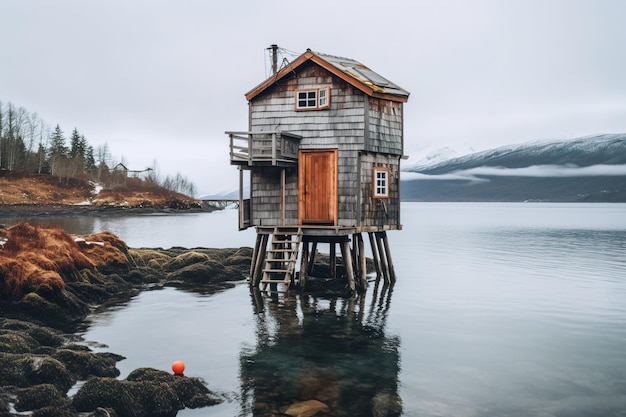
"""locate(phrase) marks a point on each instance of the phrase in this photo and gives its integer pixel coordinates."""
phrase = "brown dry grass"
(42, 189)
(39, 258)
(113, 253)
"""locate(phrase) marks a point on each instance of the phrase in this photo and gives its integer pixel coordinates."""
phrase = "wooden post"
(241, 209)
(392, 273)
(347, 263)
(383, 258)
(282, 196)
(362, 261)
(333, 260)
(260, 258)
(304, 264)
(255, 253)
(312, 259)
(375, 254)
(355, 254)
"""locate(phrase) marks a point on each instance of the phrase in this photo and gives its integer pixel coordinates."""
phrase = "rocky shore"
(42, 210)
(50, 281)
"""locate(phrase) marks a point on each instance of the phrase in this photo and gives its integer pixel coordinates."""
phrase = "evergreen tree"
(57, 151)
(90, 161)
(76, 146)
(42, 162)
(57, 143)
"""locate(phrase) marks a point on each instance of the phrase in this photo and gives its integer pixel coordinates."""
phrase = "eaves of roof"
(349, 70)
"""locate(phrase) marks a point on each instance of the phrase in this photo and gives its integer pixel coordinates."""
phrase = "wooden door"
(317, 186)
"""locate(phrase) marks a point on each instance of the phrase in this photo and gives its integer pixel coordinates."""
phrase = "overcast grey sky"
(162, 80)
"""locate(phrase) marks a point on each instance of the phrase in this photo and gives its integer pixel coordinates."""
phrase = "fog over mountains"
(587, 169)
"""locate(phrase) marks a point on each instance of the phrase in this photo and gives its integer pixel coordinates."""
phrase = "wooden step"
(281, 258)
(272, 281)
(276, 271)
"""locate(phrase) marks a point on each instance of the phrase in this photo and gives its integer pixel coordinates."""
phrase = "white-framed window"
(313, 99)
(380, 182)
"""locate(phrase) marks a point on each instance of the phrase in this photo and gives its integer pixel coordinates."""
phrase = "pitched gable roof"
(349, 70)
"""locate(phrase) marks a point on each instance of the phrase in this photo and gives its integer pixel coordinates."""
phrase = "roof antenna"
(274, 49)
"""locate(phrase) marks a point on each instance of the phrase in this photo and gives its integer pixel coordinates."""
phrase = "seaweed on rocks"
(145, 392)
(49, 283)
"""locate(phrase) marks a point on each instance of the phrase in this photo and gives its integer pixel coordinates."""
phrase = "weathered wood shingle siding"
(348, 188)
(265, 197)
(355, 124)
(342, 124)
(385, 126)
(380, 211)
(291, 196)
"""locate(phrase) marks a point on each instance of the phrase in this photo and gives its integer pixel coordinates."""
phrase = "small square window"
(381, 183)
(314, 99)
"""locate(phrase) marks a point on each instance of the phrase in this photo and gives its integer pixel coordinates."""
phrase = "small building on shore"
(323, 150)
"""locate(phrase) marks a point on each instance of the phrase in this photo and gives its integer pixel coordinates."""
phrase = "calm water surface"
(499, 310)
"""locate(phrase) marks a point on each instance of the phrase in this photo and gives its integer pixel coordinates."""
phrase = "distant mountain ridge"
(591, 168)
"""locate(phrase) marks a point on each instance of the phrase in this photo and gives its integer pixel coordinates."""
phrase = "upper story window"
(313, 99)
(381, 183)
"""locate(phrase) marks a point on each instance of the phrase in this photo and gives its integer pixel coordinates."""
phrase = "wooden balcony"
(256, 149)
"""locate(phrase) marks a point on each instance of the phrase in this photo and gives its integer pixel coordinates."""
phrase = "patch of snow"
(80, 240)
(83, 203)
(436, 155)
(97, 188)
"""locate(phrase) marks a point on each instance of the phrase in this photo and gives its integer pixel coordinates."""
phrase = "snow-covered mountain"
(591, 168)
(436, 155)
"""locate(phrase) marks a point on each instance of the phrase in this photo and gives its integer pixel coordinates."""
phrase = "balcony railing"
(263, 148)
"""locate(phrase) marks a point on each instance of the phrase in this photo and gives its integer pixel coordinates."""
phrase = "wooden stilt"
(375, 254)
(347, 263)
(381, 253)
(362, 261)
(355, 258)
(255, 253)
(392, 273)
(304, 264)
(260, 259)
(333, 260)
(312, 258)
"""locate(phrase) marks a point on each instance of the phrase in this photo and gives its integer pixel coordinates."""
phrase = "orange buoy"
(178, 367)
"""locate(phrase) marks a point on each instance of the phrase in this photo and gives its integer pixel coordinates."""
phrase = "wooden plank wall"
(347, 125)
(380, 211)
(265, 197)
(385, 127)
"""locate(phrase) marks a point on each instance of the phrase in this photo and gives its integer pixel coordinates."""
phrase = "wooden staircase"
(280, 263)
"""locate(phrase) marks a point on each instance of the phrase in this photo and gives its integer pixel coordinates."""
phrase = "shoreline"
(39, 353)
(61, 210)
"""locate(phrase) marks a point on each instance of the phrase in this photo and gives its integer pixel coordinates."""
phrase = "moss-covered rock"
(145, 392)
(4, 409)
(24, 370)
(12, 341)
(152, 258)
(187, 259)
(40, 397)
(200, 273)
(85, 364)
(192, 392)
(59, 310)
(38, 364)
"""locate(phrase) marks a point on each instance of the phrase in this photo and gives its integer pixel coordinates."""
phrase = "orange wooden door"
(317, 186)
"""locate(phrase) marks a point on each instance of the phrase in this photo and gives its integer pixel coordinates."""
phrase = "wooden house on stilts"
(323, 151)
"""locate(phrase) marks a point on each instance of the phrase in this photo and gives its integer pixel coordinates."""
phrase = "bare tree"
(14, 149)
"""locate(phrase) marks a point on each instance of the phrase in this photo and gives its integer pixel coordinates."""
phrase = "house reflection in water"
(330, 354)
